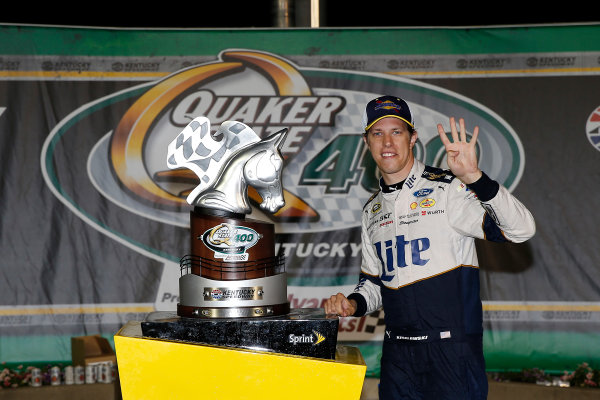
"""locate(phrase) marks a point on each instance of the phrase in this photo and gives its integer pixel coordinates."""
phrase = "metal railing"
(191, 264)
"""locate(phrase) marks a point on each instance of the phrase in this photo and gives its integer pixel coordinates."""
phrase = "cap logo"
(387, 105)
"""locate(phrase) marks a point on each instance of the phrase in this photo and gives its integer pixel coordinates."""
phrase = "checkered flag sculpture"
(205, 153)
(226, 162)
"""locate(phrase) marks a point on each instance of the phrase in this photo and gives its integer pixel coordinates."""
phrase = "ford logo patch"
(422, 192)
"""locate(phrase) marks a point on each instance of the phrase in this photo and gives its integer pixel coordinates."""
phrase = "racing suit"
(419, 262)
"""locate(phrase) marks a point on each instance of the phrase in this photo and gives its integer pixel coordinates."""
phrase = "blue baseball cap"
(387, 106)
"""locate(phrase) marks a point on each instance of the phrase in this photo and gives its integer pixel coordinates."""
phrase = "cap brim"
(386, 116)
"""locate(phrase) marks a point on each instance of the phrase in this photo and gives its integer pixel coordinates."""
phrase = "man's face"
(391, 143)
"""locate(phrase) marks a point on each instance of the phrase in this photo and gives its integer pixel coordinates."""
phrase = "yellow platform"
(162, 369)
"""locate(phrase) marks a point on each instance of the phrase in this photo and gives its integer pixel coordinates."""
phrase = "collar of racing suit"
(390, 188)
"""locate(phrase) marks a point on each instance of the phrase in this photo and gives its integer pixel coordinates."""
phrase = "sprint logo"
(313, 339)
(320, 337)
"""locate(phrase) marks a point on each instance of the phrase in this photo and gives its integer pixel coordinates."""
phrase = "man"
(419, 260)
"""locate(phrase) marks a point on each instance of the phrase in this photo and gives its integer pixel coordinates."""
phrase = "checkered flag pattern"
(374, 320)
(204, 153)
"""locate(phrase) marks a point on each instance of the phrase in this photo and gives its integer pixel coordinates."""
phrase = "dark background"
(294, 13)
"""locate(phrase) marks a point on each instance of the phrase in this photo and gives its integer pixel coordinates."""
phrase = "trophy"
(232, 270)
(233, 288)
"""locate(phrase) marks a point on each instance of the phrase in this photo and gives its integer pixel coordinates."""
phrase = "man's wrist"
(471, 177)
(353, 304)
(360, 302)
(485, 188)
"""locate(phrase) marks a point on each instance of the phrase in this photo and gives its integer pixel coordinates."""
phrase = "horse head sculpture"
(226, 162)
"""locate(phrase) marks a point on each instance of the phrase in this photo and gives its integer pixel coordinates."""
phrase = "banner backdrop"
(93, 223)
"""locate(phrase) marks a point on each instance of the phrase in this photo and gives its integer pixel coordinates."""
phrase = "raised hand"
(462, 157)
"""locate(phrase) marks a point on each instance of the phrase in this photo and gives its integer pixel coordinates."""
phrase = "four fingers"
(456, 136)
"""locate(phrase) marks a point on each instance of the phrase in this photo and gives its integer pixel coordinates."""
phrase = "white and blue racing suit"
(419, 263)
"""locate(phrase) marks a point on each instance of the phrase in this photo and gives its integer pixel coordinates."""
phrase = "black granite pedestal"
(304, 332)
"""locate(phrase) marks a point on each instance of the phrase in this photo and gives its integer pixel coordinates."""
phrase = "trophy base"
(303, 332)
(201, 297)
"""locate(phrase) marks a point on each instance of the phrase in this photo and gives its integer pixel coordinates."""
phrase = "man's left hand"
(462, 157)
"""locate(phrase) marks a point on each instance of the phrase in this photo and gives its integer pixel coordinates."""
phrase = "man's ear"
(413, 139)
